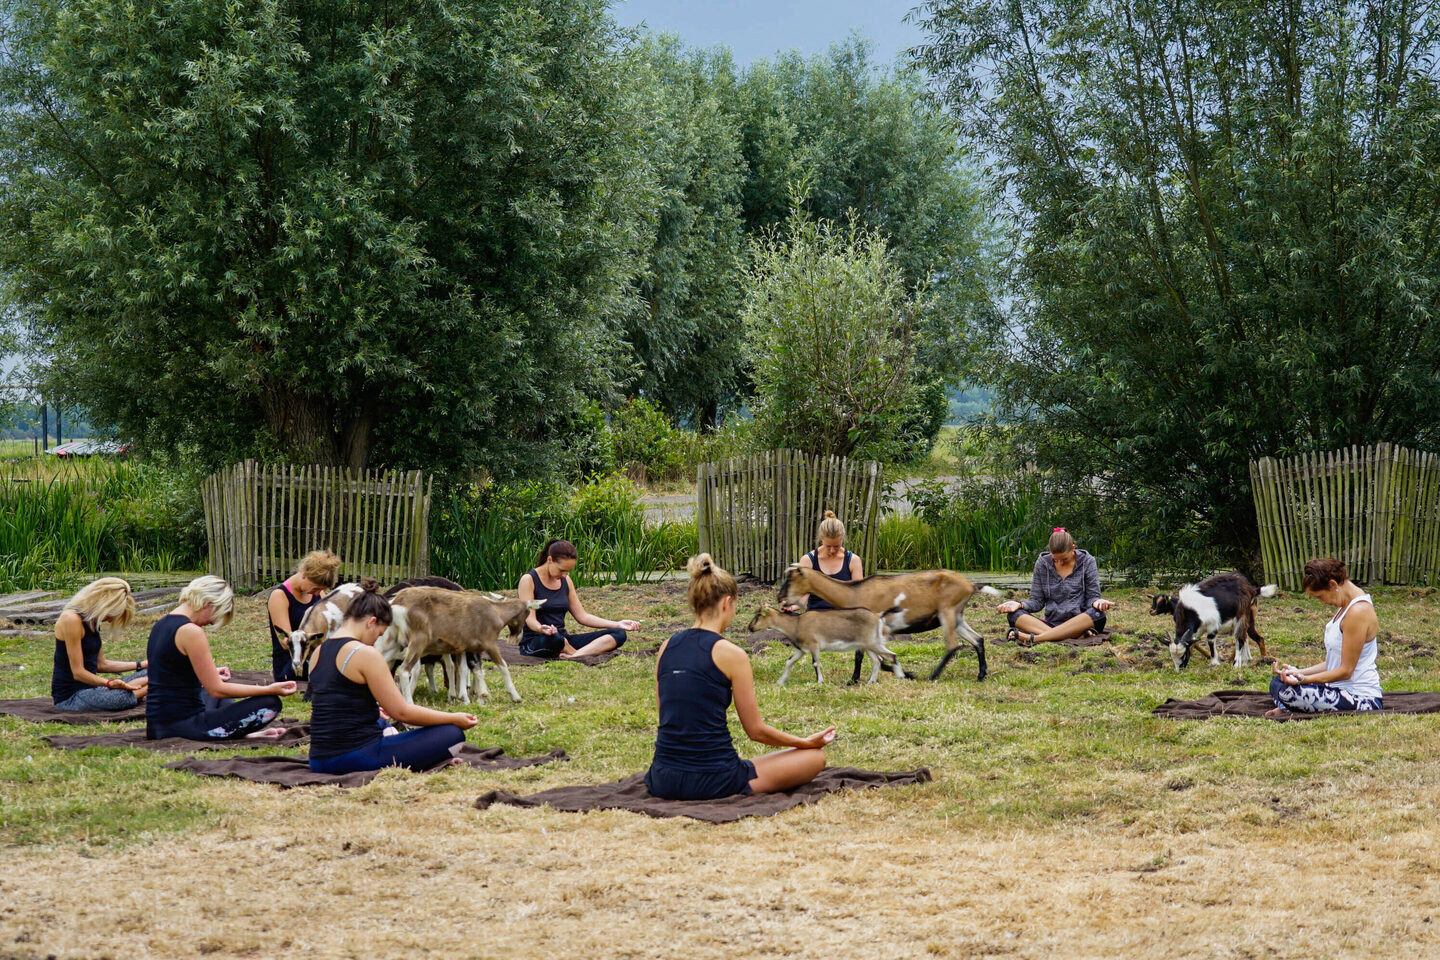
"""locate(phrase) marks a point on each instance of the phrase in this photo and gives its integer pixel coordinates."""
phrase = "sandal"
(1012, 636)
(1024, 639)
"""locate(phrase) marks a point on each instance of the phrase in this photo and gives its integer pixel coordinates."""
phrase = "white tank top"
(1365, 681)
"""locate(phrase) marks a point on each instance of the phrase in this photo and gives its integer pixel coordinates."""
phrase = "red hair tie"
(1058, 530)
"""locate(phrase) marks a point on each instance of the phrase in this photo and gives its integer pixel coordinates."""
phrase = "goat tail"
(991, 591)
(1269, 590)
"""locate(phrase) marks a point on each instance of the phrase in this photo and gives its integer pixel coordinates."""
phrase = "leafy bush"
(641, 433)
(980, 524)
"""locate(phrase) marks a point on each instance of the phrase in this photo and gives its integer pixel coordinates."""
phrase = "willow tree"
(1226, 238)
(341, 232)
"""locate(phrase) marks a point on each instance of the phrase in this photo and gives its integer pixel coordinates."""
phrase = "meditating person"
(350, 682)
(75, 681)
(1348, 679)
(544, 633)
(296, 594)
(831, 558)
(189, 695)
(697, 673)
(1066, 585)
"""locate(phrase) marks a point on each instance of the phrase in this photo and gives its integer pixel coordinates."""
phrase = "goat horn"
(492, 595)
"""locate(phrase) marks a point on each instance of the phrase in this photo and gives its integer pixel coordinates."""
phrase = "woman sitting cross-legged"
(1348, 679)
(75, 681)
(349, 683)
(1066, 585)
(188, 694)
(696, 674)
(544, 632)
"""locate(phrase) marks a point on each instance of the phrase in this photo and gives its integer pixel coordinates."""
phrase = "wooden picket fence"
(1376, 508)
(262, 518)
(757, 514)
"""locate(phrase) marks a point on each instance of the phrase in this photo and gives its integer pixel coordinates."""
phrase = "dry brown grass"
(1064, 822)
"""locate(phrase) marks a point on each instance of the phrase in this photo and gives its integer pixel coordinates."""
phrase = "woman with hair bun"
(1348, 679)
(297, 593)
(190, 696)
(831, 558)
(697, 673)
(1066, 585)
(544, 633)
(75, 681)
(349, 684)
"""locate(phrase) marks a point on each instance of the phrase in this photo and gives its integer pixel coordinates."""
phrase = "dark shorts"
(1098, 616)
(539, 645)
(670, 784)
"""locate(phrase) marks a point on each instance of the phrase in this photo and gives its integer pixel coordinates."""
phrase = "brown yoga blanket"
(1254, 703)
(42, 710)
(514, 658)
(630, 794)
(295, 734)
(296, 772)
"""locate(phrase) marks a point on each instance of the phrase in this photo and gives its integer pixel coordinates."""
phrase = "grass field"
(1064, 820)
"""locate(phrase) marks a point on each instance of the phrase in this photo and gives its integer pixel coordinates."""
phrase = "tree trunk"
(303, 424)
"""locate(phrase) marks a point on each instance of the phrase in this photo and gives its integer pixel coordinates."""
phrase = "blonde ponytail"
(709, 584)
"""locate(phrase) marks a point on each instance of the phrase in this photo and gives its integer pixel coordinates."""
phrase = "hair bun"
(369, 584)
(700, 565)
(830, 515)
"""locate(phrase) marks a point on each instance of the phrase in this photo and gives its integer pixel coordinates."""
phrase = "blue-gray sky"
(759, 28)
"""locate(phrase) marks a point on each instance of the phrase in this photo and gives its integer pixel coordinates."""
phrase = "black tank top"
(344, 715)
(694, 697)
(557, 604)
(280, 659)
(174, 689)
(815, 602)
(63, 684)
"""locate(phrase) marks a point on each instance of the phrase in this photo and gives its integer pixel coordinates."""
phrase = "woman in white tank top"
(1347, 680)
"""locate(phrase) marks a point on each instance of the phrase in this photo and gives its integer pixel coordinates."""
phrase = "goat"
(438, 621)
(1224, 603)
(823, 631)
(909, 603)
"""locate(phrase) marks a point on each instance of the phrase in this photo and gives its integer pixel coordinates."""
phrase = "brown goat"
(434, 621)
(822, 631)
(909, 602)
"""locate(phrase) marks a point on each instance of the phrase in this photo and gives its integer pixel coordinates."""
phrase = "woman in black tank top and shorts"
(349, 683)
(697, 673)
(831, 558)
(544, 633)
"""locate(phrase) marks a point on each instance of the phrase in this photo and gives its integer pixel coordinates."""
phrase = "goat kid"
(909, 602)
(1223, 603)
(454, 625)
(826, 631)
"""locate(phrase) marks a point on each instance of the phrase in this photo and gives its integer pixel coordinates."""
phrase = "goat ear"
(535, 604)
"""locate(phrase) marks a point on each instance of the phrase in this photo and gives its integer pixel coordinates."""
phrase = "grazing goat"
(824, 631)
(441, 622)
(1224, 603)
(909, 603)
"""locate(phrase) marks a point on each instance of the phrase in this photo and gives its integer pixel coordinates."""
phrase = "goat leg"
(785, 674)
(859, 659)
(815, 661)
(505, 673)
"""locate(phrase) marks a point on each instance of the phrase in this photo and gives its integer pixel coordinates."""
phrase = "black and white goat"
(1224, 603)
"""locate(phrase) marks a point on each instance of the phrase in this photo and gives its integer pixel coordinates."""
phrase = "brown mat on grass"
(42, 710)
(295, 734)
(1254, 703)
(296, 772)
(1091, 641)
(514, 658)
(630, 794)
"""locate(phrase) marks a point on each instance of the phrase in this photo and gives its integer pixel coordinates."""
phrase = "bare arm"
(1360, 625)
(802, 599)
(71, 631)
(280, 612)
(734, 664)
(525, 590)
(857, 569)
(191, 641)
(368, 667)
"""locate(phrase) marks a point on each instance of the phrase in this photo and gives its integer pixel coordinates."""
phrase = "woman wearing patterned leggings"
(1347, 680)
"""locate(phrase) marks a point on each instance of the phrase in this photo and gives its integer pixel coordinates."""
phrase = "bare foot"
(454, 762)
(1276, 714)
(269, 733)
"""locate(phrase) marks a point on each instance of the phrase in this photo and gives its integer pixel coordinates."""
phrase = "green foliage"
(642, 434)
(346, 231)
(487, 538)
(1225, 237)
(977, 524)
(827, 333)
(95, 516)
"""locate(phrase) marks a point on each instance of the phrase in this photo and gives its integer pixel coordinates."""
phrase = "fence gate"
(757, 514)
(1376, 508)
(262, 518)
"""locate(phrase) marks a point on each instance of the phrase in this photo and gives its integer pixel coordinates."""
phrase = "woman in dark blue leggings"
(349, 683)
(189, 696)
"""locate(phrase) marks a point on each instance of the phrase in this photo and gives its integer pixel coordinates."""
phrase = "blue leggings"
(220, 720)
(1318, 698)
(419, 749)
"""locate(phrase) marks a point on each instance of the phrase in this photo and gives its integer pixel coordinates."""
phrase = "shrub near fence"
(1377, 508)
